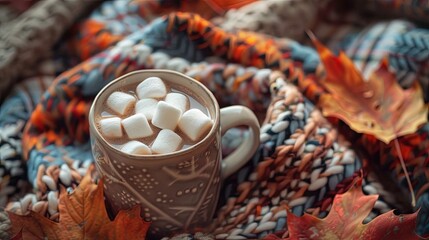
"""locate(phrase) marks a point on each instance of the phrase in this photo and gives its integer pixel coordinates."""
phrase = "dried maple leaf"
(82, 216)
(18, 236)
(379, 106)
(344, 220)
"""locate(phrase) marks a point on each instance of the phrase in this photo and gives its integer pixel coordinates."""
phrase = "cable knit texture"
(248, 56)
(29, 37)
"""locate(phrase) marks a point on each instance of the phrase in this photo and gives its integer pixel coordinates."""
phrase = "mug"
(177, 191)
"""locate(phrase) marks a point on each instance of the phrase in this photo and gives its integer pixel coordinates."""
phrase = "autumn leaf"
(379, 106)
(25, 227)
(345, 218)
(18, 236)
(82, 216)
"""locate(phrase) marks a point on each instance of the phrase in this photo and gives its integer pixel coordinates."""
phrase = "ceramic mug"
(177, 191)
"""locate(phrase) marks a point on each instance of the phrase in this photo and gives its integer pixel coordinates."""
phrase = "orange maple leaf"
(345, 218)
(82, 216)
(379, 106)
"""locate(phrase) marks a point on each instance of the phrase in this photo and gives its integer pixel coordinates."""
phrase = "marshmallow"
(166, 116)
(111, 127)
(136, 147)
(152, 87)
(120, 102)
(147, 107)
(194, 124)
(178, 100)
(167, 141)
(137, 126)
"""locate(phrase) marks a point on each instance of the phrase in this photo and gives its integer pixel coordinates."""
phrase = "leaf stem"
(404, 168)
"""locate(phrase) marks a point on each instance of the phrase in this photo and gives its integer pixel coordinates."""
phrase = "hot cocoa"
(153, 117)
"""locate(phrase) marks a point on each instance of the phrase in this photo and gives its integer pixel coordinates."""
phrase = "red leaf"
(344, 221)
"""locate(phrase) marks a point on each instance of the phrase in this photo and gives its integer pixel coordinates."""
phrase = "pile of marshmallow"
(166, 111)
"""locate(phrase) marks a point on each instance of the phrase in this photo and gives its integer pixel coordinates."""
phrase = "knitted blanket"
(253, 53)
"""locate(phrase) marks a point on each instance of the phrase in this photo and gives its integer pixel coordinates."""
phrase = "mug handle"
(235, 116)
